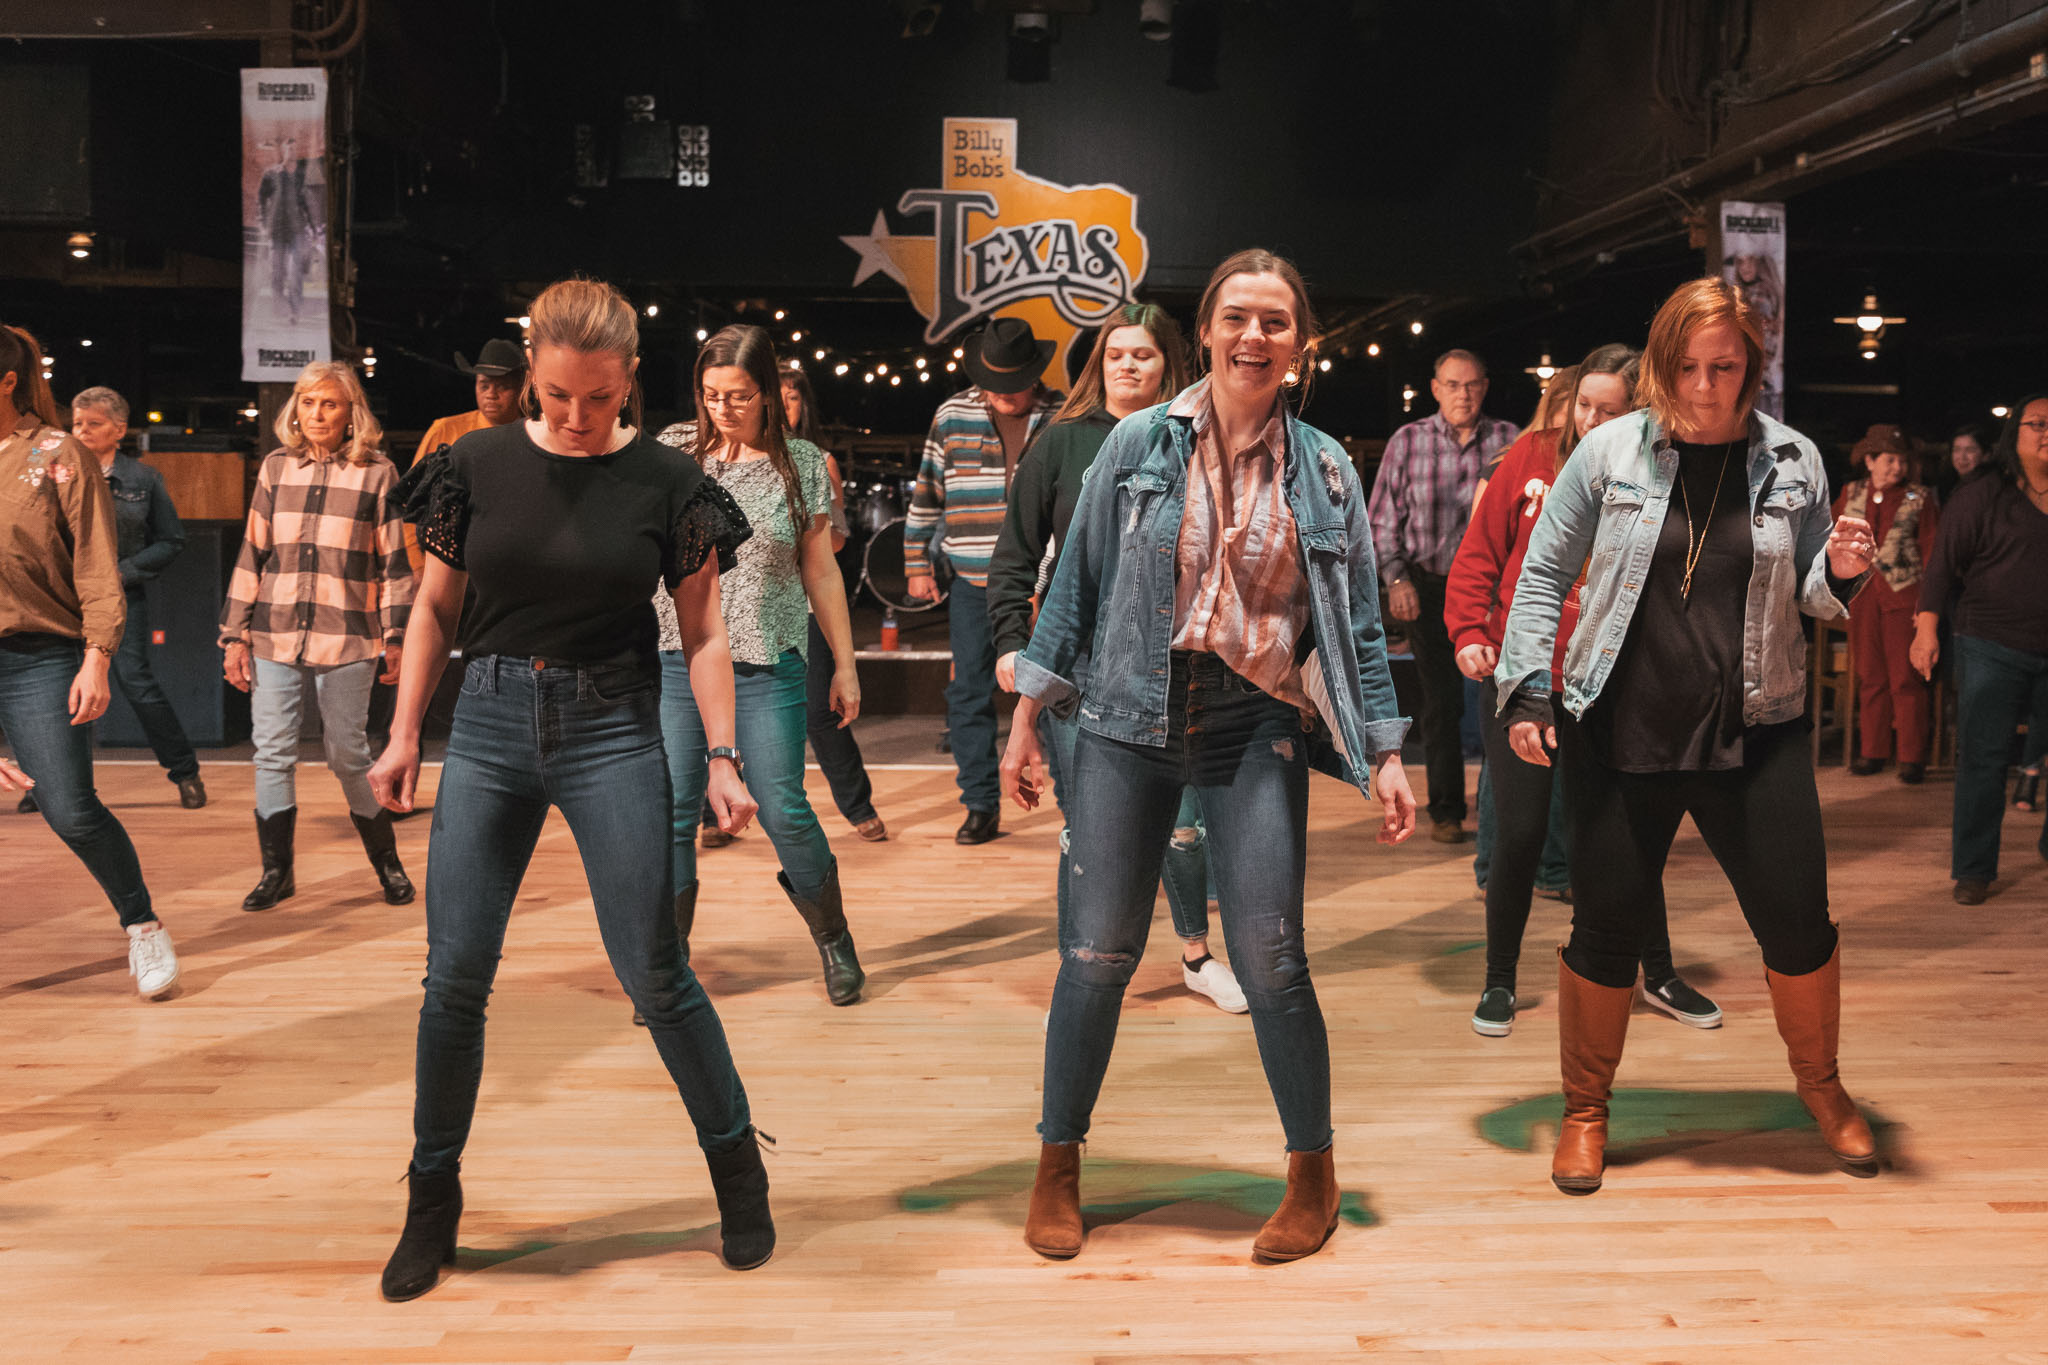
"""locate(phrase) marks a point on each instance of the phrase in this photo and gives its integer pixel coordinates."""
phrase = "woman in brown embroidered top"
(61, 617)
(1891, 699)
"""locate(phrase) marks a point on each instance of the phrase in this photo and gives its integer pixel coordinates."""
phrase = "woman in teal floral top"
(785, 574)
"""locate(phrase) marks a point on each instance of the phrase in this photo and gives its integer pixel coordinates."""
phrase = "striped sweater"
(964, 483)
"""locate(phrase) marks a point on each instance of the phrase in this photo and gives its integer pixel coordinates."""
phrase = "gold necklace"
(1693, 551)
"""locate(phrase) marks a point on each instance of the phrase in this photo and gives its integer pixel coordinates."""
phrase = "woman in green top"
(785, 575)
(1138, 360)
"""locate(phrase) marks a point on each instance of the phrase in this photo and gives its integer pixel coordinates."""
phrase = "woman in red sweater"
(1476, 599)
(1890, 696)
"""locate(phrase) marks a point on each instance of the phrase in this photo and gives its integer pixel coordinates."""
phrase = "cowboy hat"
(1004, 357)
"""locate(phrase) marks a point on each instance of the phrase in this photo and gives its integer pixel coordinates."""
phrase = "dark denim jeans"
(1245, 755)
(768, 729)
(1184, 873)
(971, 697)
(587, 740)
(1443, 699)
(1996, 689)
(35, 689)
(1554, 872)
(132, 674)
(837, 752)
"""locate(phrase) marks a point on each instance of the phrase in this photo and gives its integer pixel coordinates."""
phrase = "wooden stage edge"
(216, 1177)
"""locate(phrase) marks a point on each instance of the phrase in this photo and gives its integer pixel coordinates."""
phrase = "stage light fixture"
(1155, 19)
(2001, 410)
(80, 244)
(920, 17)
(1543, 370)
(1870, 325)
(1028, 59)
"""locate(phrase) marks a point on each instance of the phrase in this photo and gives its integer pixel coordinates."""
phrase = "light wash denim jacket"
(1604, 513)
(1111, 602)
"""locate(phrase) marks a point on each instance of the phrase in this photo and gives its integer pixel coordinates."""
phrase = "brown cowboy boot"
(1308, 1214)
(1809, 1010)
(1592, 1025)
(1052, 1228)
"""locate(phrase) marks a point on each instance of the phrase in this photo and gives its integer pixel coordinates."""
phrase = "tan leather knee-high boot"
(1809, 1010)
(1592, 1025)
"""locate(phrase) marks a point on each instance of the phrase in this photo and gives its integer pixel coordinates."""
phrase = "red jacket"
(1481, 587)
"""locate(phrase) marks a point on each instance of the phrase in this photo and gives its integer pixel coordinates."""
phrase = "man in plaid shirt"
(1421, 503)
(963, 485)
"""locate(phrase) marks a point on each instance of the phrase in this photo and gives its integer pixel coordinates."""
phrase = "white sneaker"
(151, 960)
(1211, 978)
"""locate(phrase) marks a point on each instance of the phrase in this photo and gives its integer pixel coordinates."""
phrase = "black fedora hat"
(1004, 357)
(498, 358)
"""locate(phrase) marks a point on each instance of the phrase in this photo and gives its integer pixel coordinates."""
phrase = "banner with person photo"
(284, 222)
(1753, 257)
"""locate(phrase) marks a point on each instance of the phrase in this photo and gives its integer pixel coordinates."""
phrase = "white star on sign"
(873, 257)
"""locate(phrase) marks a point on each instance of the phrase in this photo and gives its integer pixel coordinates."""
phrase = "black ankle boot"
(825, 914)
(686, 919)
(432, 1210)
(380, 841)
(274, 838)
(745, 1229)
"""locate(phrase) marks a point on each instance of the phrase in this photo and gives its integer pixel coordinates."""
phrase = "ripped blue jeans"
(1245, 755)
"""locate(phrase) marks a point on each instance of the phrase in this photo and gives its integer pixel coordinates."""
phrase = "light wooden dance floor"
(216, 1177)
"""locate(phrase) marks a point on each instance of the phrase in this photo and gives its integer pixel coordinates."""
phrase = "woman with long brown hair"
(782, 577)
(1138, 359)
(1219, 583)
(1477, 598)
(62, 612)
(321, 593)
(1702, 528)
(557, 524)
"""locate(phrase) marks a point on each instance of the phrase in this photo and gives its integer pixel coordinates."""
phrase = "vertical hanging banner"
(1006, 243)
(284, 222)
(1753, 257)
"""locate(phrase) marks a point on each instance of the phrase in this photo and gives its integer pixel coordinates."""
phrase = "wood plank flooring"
(215, 1178)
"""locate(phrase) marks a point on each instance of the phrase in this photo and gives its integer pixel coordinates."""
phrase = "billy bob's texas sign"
(1058, 256)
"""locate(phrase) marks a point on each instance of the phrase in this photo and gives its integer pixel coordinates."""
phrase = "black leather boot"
(826, 916)
(381, 843)
(686, 919)
(274, 838)
(740, 1182)
(432, 1210)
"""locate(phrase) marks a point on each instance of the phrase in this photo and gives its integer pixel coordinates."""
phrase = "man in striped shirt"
(1421, 503)
(963, 486)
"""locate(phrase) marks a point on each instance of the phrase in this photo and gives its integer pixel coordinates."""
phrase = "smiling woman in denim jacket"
(1218, 544)
(1684, 693)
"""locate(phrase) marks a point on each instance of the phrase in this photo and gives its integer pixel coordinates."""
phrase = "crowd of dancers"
(1183, 583)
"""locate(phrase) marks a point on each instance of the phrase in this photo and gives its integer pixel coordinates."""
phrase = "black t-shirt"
(1674, 700)
(560, 549)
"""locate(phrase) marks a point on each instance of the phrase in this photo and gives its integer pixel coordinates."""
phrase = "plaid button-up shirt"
(322, 578)
(1422, 499)
(1239, 590)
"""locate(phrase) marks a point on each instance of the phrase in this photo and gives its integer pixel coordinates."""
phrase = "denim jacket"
(1603, 515)
(1111, 602)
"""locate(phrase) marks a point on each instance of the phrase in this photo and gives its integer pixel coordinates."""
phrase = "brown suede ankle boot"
(1052, 1228)
(1809, 1010)
(1307, 1215)
(1592, 1025)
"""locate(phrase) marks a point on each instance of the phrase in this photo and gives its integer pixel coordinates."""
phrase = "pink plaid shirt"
(322, 578)
(1239, 589)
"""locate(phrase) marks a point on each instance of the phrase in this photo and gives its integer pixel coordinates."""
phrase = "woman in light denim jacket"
(1172, 636)
(1693, 704)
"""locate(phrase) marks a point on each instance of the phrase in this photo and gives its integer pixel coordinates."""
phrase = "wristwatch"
(739, 769)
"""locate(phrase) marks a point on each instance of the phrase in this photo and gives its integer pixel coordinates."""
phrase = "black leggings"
(1760, 821)
(1522, 793)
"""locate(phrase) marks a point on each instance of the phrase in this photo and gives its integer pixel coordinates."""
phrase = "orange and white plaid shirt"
(322, 578)
(1239, 589)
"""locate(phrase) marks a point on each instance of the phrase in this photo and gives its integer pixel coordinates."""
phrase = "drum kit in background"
(877, 501)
